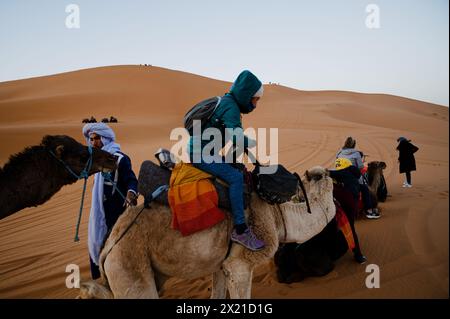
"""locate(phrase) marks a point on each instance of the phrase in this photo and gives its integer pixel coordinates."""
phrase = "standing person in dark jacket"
(406, 158)
(346, 191)
(107, 201)
(243, 97)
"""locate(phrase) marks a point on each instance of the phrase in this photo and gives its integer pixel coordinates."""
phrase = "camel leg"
(219, 285)
(239, 276)
(128, 281)
(160, 279)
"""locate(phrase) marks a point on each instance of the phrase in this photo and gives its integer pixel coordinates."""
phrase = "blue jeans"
(235, 181)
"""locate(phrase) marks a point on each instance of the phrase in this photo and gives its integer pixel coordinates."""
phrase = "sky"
(307, 45)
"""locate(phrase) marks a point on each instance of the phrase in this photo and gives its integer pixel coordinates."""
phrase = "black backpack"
(202, 111)
(276, 188)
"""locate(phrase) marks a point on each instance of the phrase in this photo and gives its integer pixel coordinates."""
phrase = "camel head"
(299, 225)
(318, 180)
(374, 173)
(375, 169)
(316, 173)
(76, 155)
(33, 176)
(376, 165)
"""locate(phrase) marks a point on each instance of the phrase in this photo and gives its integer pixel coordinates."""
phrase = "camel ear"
(59, 151)
(47, 140)
(383, 165)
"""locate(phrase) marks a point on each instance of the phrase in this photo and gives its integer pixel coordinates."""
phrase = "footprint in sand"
(443, 194)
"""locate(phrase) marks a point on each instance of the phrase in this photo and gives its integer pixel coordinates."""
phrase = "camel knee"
(126, 281)
(93, 290)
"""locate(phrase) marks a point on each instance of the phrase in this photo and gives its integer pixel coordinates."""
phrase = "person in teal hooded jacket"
(242, 99)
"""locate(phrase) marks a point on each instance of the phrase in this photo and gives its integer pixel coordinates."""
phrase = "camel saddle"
(275, 188)
(152, 176)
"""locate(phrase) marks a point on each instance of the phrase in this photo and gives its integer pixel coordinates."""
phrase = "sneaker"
(360, 258)
(373, 213)
(247, 239)
(406, 185)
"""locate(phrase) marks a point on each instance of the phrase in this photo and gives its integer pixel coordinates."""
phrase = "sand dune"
(409, 243)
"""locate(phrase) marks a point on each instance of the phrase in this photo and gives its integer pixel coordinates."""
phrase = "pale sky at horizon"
(307, 45)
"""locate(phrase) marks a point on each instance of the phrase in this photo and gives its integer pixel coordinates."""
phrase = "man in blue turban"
(107, 201)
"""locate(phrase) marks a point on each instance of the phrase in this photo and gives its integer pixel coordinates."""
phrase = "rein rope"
(302, 186)
(148, 200)
(107, 177)
(84, 174)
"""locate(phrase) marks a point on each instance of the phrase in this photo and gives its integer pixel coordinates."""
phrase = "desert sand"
(409, 242)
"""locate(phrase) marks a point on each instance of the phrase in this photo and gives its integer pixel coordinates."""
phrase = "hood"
(403, 144)
(347, 151)
(243, 89)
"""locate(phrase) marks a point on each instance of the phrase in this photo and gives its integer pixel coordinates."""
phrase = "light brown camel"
(137, 265)
(33, 176)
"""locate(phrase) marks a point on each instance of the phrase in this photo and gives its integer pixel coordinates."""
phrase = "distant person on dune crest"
(406, 159)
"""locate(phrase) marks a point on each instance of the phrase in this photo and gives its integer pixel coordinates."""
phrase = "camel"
(315, 257)
(112, 119)
(376, 181)
(33, 176)
(142, 251)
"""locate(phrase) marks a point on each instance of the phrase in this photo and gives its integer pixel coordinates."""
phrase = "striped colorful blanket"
(344, 226)
(193, 200)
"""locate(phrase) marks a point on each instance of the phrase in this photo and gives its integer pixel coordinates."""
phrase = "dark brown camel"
(33, 176)
(376, 181)
(376, 184)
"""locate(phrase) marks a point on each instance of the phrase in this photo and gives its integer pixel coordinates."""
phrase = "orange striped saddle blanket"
(193, 200)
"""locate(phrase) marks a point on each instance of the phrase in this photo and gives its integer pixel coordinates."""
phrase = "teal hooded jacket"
(228, 112)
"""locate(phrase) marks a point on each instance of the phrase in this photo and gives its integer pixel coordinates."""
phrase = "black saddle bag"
(275, 188)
